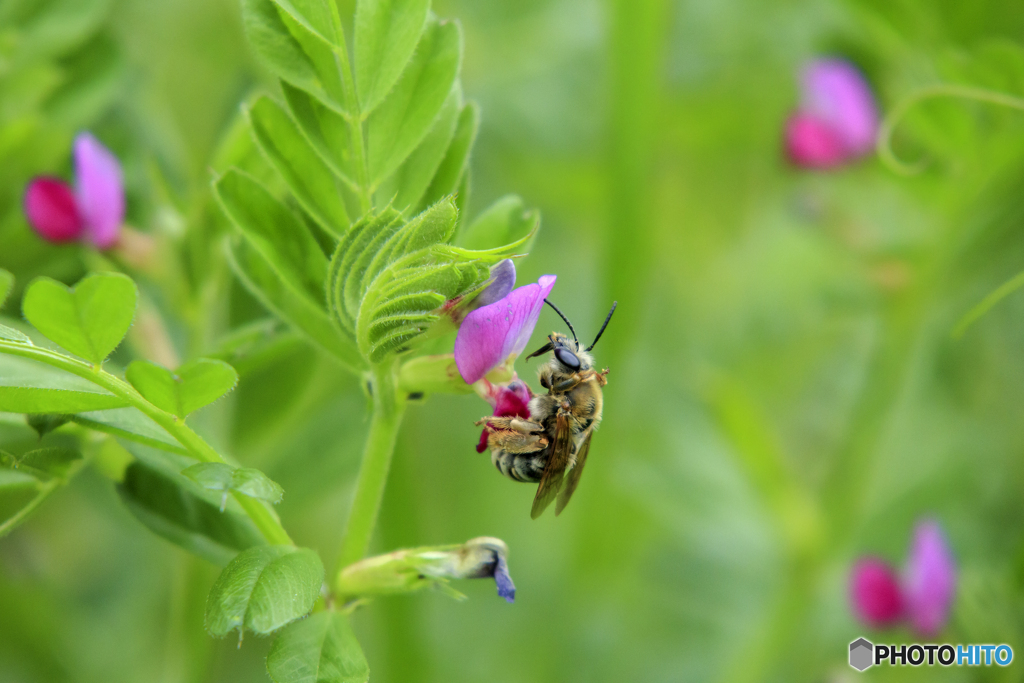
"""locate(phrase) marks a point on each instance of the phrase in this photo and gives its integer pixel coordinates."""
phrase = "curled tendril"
(986, 304)
(884, 142)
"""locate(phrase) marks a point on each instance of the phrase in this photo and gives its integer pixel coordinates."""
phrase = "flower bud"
(875, 593)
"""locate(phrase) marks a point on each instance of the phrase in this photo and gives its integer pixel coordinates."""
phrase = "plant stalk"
(388, 408)
(258, 511)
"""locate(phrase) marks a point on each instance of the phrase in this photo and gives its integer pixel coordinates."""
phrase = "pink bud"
(51, 210)
(837, 119)
(929, 580)
(875, 593)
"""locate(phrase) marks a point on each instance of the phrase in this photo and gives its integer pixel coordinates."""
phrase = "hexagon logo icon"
(861, 651)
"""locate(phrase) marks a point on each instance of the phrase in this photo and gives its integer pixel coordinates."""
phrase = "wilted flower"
(492, 334)
(929, 579)
(93, 211)
(922, 596)
(837, 119)
(875, 593)
(405, 571)
(508, 400)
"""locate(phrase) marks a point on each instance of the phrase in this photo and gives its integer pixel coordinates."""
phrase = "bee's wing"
(551, 480)
(574, 474)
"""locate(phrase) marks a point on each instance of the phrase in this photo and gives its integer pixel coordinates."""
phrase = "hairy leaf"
(274, 231)
(89, 320)
(453, 167)
(401, 121)
(180, 511)
(194, 385)
(263, 589)
(326, 131)
(129, 423)
(258, 277)
(312, 183)
(386, 33)
(404, 188)
(320, 649)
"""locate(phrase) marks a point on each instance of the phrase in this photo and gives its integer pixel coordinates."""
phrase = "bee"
(551, 447)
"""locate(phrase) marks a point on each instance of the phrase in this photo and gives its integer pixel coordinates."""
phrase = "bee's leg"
(513, 441)
(510, 424)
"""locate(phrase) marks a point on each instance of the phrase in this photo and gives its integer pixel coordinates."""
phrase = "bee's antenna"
(562, 316)
(606, 321)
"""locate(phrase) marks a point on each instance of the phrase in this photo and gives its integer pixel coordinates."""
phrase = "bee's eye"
(567, 358)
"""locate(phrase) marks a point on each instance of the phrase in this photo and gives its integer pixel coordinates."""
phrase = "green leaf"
(182, 512)
(310, 180)
(194, 385)
(350, 248)
(325, 130)
(453, 168)
(506, 222)
(406, 186)
(316, 27)
(28, 386)
(6, 283)
(258, 277)
(89, 320)
(282, 52)
(11, 334)
(219, 476)
(320, 649)
(386, 33)
(263, 589)
(129, 423)
(44, 423)
(279, 237)
(405, 116)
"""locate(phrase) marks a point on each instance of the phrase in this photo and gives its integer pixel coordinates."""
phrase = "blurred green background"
(785, 394)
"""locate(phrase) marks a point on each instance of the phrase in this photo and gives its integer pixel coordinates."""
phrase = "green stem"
(388, 407)
(262, 515)
(884, 144)
(45, 491)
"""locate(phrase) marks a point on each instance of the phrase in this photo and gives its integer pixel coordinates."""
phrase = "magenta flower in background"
(837, 119)
(929, 579)
(492, 333)
(875, 593)
(91, 212)
(922, 596)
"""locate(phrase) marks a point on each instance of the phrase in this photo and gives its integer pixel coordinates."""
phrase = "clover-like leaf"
(263, 589)
(222, 477)
(43, 463)
(320, 649)
(185, 514)
(192, 386)
(89, 320)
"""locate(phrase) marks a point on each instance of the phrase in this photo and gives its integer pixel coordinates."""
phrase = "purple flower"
(492, 333)
(923, 596)
(875, 593)
(837, 119)
(93, 212)
(929, 579)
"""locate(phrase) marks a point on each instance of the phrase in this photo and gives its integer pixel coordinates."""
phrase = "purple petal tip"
(930, 580)
(492, 333)
(503, 579)
(100, 190)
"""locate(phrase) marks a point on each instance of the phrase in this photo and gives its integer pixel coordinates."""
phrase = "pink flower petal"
(503, 279)
(875, 593)
(100, 190)
(813, 144)
(836, 93)
(51, 210)
(929, 580)
(492, 333)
